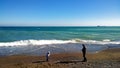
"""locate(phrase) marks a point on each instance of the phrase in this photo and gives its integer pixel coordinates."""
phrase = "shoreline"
(53, 48)
(106, 58)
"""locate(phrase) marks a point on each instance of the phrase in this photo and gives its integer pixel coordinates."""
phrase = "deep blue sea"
(36, 40)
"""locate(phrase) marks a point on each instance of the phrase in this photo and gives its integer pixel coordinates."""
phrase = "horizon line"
(61, 26)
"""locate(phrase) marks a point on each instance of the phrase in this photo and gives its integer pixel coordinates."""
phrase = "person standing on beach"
(84, 53)
(47, 56)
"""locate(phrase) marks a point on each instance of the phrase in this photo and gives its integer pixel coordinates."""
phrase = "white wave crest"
(105, 41)
(47, 42)
(35, 42)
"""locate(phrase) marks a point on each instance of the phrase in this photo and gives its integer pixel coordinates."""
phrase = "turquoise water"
(9, 34)
(39, 40)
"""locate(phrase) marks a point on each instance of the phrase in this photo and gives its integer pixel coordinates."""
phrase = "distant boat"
(98, 25)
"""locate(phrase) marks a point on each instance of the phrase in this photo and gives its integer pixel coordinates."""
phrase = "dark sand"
(109, 58)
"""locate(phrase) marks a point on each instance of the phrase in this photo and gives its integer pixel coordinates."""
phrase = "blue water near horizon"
(38, 40)
(9, 34)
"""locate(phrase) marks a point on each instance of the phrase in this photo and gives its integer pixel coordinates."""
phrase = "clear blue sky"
(59, 12)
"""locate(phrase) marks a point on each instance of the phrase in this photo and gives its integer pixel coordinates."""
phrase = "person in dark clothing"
(84, 53)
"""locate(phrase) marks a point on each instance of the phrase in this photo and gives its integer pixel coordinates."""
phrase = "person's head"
(83, 45)
(49, 52)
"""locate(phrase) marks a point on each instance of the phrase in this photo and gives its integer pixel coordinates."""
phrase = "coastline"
(104, 59)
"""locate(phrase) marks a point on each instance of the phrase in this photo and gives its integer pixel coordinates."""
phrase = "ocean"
(38, 40)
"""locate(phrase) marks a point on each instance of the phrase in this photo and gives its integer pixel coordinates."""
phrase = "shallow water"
(53, 48)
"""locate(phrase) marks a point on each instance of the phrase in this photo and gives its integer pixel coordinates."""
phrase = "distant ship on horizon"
(100, 26)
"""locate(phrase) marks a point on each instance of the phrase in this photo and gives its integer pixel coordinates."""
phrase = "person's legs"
(47, 58)
(84, 57)
(83, 54)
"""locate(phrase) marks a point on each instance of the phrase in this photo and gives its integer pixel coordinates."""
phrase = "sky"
(59, 12)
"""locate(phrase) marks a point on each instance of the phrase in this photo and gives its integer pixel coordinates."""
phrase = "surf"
(49, 42)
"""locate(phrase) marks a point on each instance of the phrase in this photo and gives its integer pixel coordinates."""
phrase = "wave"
(35, 42)
(48, 42)
(104, 41)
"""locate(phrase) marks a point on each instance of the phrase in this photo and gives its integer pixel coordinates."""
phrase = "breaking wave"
(35, 42)
(48, 42)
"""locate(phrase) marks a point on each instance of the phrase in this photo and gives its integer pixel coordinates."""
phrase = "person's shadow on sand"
(41, 61)
(72, 61)
(62, 62)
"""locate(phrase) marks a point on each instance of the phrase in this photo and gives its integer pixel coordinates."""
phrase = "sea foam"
(35, 42)
(48, 42)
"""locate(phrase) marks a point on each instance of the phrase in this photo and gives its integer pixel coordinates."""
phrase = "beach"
(109, 58)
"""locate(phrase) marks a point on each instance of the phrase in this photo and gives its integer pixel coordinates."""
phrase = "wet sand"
(109, 58)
